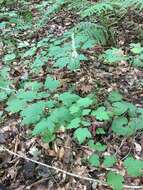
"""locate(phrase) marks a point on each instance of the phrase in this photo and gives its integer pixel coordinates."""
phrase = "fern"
(105, 7)
(96, 32)
(98, 8)
(133, 4)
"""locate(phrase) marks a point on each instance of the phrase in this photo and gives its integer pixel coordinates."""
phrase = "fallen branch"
(65, 172)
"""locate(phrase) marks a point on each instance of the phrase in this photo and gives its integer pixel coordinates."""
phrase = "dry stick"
(65, 172)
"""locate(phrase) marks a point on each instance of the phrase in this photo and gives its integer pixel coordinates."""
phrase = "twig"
(38, 182)
(55, 168)
(65, 172)
(120, 146)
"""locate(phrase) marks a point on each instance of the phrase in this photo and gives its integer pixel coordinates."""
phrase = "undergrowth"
(41, 105)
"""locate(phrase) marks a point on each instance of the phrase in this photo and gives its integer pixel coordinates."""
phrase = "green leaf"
(34, 86)
(81, 134)
(33, 113)
(37, 64)
(60, 115)
(101, 114)
(137, 62)
(115, 180)
(119, 108)
(3, 96)
(48, 136)
(100, 131)
(74, 109)
(26, 95)
(84, 102)
(94, 160)
(98, 146)
(30, 52)
(131, 109)
(74, 64)
(50, 104)
(75, 123)
(136, 48)
(62, 62)
(51, 83)
(120, 127)
(109, 161)
(113, 55)
(115, 96)
(16, 105)
(134, 167)
(67, 98)
(9, 57)
(86, 112)
(43, 125)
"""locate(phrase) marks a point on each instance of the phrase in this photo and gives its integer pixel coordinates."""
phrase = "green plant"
(136, 58)
(5, 83)
(134, 167)
(116, 55)
(115, 180)
(31, 53)
(113, 56)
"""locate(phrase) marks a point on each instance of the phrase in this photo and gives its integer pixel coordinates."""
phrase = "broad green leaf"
(67, 98)
(48, 136)
(81, 134)
(136, 48)
(119, 108)
(84, 102)
(101, 114)
(16, 105)
(137, 61)
(97, 146)
(86, 112)
(94, 160)
(30, 52)
(41, 95)
(109, 161)
(50, 104)
(115, 180)
(85, 123)
(33, 113)
(136, 123)
(43, 125)
(75, 123)
(37, 64)
(134, 167)
(9, 57)
(115, 96)
(100, 131)
(74, 109)
(3, 96)
(34, 86)
(74, 64)
(62, 62)
(51, 83)
(120, 127)
(113, 55)
(131, 109)
(60, 115)
(27, 95)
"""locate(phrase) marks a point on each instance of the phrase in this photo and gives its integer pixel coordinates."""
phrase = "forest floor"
(64, 152)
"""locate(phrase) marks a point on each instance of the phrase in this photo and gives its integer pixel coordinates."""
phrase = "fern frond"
(97, 8)
(133, 4)
(77, 5)
(94, 31)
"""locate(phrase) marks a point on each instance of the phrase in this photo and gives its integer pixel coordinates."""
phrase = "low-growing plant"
(43, 106)
(115, 55)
